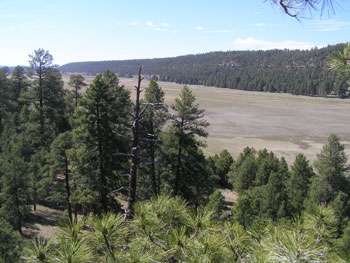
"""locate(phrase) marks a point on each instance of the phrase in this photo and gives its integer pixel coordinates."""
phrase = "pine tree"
(274, 202)
(339, 63)
(216, 204)
(223, 162)
(20, 84)
(40, 62)
(14, 175)
(331, 165)
(48, 117)
(243, 210)
(186, 173)
(103, 112)
(77, 82)
(60, 186)
(299, 183)
(9, 243)
(267, 163)
(5, 99)
(343, 244)
(151, 128)
(243, 171)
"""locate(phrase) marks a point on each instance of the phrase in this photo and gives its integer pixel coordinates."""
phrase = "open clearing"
(43, 222)
(282, 123)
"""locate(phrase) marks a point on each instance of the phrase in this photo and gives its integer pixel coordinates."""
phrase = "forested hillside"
(300, 72)
(132, 189)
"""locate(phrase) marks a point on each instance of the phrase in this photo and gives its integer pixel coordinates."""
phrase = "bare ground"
(44, 222)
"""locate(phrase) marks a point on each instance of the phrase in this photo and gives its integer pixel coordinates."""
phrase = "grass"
(283, 123)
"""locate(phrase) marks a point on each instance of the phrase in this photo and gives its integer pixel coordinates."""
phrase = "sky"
(94, 30)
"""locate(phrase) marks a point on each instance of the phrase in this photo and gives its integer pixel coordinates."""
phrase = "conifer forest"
(93, 171)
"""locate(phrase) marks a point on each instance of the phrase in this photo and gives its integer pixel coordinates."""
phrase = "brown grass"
(283, 123)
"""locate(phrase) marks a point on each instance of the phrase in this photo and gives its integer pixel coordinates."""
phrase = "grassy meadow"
(282, 123)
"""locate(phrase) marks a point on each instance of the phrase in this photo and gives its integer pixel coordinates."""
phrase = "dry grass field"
(282, 123)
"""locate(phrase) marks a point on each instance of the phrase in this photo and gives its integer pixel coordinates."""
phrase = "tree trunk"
(103, 187)
(34, 197)
(75, 205)
(41, 108)
(153, 166)
(69, 206)
(153, 169)
(74, 183)
(134, 150)
(18, 211)
(1, 124)
(178, 167)
(76, 96)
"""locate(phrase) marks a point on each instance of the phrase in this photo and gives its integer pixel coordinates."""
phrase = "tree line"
(299, 72)
(74, 151)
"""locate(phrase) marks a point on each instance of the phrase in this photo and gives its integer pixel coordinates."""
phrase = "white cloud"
(258, 24)
(223, 31)
(165, 24)
(330, 25)
(161, 29)
(149, 23)
(199, 28)
(257, 44)
(134, 23)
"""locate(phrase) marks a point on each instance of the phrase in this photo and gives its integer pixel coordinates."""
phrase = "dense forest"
(136, 190)
(300, 72)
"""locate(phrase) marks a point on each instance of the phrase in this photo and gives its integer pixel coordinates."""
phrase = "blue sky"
(84, 30)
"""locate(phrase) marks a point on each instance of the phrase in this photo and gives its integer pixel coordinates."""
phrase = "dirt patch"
(229, 195)
(43, 222)
(230, 198)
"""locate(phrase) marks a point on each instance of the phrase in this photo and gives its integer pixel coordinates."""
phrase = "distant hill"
(302, 72)
(11, 68)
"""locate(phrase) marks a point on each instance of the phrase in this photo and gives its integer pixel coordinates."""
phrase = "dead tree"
(135, 140)
(134, 147)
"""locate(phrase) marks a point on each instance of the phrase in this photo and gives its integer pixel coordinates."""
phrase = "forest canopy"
(299, 72)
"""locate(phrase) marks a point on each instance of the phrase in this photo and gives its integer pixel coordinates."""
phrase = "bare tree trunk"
(134, 150)
(152, 158)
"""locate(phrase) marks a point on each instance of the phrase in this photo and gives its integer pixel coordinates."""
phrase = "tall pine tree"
(186, 174)
(151, 128)
(103, 112)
